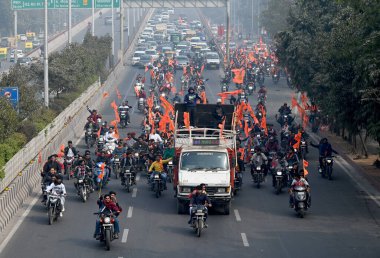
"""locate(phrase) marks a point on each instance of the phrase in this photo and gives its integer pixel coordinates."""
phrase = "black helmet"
(190, 89)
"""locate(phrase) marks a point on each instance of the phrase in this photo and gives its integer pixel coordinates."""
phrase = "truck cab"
(205, 154)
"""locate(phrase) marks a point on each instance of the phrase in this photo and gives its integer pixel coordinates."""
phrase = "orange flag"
(239, 75)
(118, 93)
(114, 106)
(174, 90)
(186, 119)
(305, 165)
(105, 95)
(202, 68)
(297, 137)
(294, 101)
(149, 102)
(146, 68)
(203, 97)
(166, 105)
(101, 175)
(39, 158)
(264, 124)
(61, 151)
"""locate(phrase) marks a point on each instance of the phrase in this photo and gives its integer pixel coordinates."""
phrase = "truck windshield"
(206, 160)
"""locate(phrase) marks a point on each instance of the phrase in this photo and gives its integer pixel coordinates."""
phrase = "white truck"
(205, 154)
(212, 60)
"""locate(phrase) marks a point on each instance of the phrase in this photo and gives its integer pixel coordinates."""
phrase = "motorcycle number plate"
(199, 214)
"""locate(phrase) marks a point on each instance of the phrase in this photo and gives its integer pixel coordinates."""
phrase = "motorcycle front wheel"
(51, 215)
(199, 227)
(108, 239)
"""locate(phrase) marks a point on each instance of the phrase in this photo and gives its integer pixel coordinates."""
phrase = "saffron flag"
(239, 75)
(186, 119)
(114, 106)
(305, 165)
(118, 93)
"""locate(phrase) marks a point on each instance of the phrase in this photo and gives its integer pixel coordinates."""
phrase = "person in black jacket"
(191, 99)
(199, 197)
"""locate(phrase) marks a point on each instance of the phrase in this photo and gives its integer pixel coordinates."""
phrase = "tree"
(8, 119)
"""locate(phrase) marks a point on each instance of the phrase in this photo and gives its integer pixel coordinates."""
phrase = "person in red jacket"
(107, 205)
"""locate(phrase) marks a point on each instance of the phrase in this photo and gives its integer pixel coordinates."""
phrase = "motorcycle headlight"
(250, 87)
(285, 116)
(156, 176)
(329, 161)
(221, 190)
(279, 173)
(258, 168)
(303, 142)
(107, 220)
(80, 181)
(290, 167)
(136, 154)
(170, 162)
(116, 159)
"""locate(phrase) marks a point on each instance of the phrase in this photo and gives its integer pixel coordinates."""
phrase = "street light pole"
(122, 32)
(129, 27)
(93, 18)
(16, 40)
(113, 33)
(228, 32)
(46, 65)
(69, 29)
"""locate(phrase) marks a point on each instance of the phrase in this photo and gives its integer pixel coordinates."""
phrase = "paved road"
(342, 222)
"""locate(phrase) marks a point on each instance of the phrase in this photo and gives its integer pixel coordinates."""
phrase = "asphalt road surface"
(342, 222)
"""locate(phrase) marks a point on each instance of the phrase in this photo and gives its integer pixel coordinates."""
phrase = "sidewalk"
(364, 165)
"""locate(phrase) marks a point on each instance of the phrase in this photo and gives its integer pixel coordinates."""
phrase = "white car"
(19, 54)
(23, 37)
(212, 60)
(152, 53)
(136, 57)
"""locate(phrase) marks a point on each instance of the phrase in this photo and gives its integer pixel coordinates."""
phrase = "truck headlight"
(186, 189)
(221, 190)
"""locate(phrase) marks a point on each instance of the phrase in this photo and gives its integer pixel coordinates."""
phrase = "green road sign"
(62, 4)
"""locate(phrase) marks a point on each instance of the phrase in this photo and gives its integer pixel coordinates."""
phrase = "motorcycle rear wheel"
(83, 194)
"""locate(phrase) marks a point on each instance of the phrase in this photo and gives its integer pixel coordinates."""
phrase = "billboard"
(10, 93)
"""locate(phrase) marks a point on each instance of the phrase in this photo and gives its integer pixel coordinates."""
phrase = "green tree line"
(331, 50)
(71, 72)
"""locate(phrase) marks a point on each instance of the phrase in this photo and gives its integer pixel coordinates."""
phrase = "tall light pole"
(228, 32)
(93, 18)
(113, 33)
(69, 28)
(122, 32)
(46, 55)
(129, 28)
(15, 16)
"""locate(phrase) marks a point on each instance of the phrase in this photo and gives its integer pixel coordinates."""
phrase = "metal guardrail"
(23, 170)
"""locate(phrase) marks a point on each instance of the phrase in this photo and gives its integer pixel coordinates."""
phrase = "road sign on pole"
(62, 4)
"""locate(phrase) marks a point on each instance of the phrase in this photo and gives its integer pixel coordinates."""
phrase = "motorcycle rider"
(325, 150)
(111, 133)
(108, 204)
(70, 151)
(94, 115)
(158, 167)
(59, 189)
(88, 160)
(52, 163)
(298, 181)
(47, 179)
(176, 98)
(199, 197)
(124, 107)
(272, 145)
(191, 99)
(259, 159)
(130, 163)
(104, 128)
(82, 170)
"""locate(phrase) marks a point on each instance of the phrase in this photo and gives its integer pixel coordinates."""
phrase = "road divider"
(130, 211)
(134, 192)
(125, 236)
(237, 215)
(245, 240)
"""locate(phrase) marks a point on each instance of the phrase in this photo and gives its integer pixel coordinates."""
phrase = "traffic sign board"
(62, 4)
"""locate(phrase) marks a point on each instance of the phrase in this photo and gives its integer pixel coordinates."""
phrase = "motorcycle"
(157, 184)
(123, 118)
(54, 207)
(303, 148)
(280, 180)
(169, 170)
(261, 98)
(327, 169)
(198, 217)
(69, 161)
(116, 166)
(284, 140)
(141, 104)
(250, 88)
(107, 221)
(100, 143)
(275, 78)
(89, 137)
(224, 87)
(84, 188)
(291, 171)
(257, 174)
(129, 178)
(300, 200)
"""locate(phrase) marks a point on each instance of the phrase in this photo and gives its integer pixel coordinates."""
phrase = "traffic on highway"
(200, 149)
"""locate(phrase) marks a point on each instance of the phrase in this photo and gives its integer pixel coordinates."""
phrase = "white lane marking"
(125, 235)
(130, 211)
(346, 167)
(237, 215)
(18, 224)
(245, 240)
(138, 177)
(134, 192)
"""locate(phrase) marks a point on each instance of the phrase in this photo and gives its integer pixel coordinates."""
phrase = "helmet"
(218, 101)
(190, 89)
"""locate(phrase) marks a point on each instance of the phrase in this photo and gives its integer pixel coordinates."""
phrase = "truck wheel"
(180, 207)
(227, 207)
